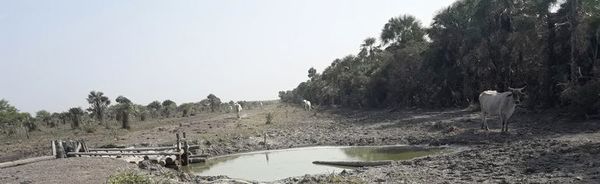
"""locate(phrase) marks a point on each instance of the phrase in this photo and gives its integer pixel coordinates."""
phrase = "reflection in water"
(389, 152)
(267, 156)
(201, 167)
(279, 164)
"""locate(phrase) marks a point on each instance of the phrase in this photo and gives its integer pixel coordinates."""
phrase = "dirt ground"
(72, 170)
(540, 148)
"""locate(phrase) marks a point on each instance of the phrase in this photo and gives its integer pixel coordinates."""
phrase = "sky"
(53, 53)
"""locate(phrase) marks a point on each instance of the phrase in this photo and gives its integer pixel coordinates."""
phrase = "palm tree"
(98, 104)
(367, 48)
(401, 30)
(124, 109)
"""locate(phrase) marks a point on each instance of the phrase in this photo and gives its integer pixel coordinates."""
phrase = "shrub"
(269, 118)
(88, 127)
(583, 100)
(128, 178)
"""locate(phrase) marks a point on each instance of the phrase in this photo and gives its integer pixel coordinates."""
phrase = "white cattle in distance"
(238, 110)
(498, 104)
(307, 106)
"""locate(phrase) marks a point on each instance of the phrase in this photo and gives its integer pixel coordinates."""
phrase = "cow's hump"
(490, 92)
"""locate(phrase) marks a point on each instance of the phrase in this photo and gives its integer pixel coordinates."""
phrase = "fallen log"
(25, 161)
(197, 160)
(199, 156)
(354, 163)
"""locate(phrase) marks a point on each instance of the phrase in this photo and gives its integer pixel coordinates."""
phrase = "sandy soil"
(541, 148)
(71, 170)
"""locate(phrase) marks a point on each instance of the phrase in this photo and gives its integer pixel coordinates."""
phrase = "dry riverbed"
(541, 148)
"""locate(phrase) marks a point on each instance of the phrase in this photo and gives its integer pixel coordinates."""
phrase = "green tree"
(186, 109)
(401, 30)
(125, 108)
(312, 72)
(45, 117)
(168, 108)
(11, 119)
(141, 112)
(76, 115)
(214, 101)
(154, 108)
(98, 104)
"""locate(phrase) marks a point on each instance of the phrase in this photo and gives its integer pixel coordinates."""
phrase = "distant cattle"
(307, 105)
(238, 110)
(498, 104)
(229, 109)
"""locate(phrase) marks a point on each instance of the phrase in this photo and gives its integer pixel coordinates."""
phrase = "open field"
(540, 148)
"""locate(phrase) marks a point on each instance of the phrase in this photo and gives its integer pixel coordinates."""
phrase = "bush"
(128, 178)
(583, 100)
(89, 128)
(269, 118)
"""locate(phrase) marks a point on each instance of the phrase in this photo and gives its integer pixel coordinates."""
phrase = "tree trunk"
(573, 65)
(549, 82)
(125, 120)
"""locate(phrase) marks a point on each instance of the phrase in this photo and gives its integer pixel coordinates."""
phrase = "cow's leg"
(503, 123)
(482, 120)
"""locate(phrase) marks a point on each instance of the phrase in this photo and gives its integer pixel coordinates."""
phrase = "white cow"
(307, 105)
(229, 109)
(499, 104)
(238, 109)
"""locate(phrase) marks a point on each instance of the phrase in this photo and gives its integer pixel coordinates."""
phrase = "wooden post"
(78, 148)
(178, 142)
(265, 139)
(185, 158)
(84, 146)
(53, 148)
(61, 150)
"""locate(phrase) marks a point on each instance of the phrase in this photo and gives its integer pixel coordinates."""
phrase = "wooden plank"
(25, 161)
(132, 149)
(354, 163)
(120, 154)
(140, 149)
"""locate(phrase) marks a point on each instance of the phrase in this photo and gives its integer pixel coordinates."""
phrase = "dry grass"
(202, 127)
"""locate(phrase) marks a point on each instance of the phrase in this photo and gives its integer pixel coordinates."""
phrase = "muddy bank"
(541, 148)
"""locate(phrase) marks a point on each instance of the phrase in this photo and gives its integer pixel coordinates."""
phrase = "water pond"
(272, 165)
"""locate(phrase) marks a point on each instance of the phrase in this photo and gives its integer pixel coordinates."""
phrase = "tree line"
(101, 112)
(471, 46)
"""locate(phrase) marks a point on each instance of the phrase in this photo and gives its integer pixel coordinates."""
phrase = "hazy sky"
(53, 53)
